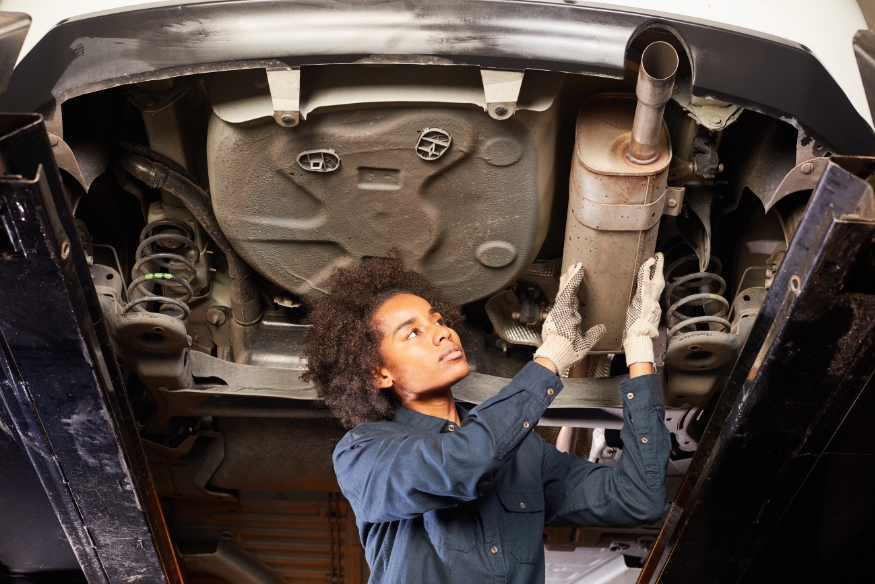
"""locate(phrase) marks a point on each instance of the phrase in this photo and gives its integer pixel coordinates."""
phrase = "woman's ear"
(384, 378)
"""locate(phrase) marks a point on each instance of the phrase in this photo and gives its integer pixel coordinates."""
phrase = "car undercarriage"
(213, 186)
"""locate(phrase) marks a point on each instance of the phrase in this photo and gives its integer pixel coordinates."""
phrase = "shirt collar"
(426, 423)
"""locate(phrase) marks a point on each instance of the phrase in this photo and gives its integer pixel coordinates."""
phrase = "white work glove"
(563, 344)
(642, 319)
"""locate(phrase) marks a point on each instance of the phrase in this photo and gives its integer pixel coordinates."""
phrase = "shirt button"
(630, 395)
(550, 391)
(522, 505)
(525, 424)
(644, 440)
(451, 427)
(493, 549)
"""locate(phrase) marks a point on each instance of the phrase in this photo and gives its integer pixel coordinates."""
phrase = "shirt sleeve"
(402, 475)
(581, 493)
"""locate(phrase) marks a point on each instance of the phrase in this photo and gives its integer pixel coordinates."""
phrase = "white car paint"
(826, 28)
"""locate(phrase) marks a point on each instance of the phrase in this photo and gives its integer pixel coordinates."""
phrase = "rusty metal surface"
(615, 243)
(809, 354)
(60, 382)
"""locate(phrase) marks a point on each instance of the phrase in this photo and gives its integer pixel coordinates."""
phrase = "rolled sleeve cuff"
(538, 380)
(519, 406)
(642, 392)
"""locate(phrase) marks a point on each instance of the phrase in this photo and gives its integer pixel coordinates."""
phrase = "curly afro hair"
(342, 345)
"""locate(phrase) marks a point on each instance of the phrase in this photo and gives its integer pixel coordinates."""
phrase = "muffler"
(617, 192)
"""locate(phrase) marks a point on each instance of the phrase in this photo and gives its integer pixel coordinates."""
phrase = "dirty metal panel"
(60, 384)
(811, 352)
(346, 185)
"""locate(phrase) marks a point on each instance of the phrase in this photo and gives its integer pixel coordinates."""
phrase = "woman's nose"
(441, 333)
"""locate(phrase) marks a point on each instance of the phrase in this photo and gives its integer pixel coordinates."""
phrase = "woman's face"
(421, 356)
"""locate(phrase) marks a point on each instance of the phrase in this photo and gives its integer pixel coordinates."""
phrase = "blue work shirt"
(436, 503)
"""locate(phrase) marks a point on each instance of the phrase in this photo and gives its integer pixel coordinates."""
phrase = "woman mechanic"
(446, 494)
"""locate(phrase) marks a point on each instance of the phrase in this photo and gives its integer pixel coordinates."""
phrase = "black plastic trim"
(776, 77)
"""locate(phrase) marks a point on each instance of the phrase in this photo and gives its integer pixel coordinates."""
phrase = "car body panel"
(829, 39)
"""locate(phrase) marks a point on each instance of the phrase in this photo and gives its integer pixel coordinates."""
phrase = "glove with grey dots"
(563, 345)
(642, 318)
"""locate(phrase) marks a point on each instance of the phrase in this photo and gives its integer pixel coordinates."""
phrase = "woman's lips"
(450, 353)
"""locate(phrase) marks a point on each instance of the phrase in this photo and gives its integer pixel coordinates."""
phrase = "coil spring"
(680, 296)
(172, 236)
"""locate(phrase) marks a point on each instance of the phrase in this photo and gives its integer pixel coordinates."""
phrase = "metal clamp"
(502, 90)
(674, 200)
(627, 217)
(285, 95)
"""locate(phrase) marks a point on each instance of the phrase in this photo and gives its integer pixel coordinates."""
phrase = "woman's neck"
(440, 406)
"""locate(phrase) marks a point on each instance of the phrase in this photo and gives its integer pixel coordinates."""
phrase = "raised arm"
(397, 475)
(578, 492)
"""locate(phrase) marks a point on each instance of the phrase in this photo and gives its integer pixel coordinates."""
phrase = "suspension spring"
(161, 250)
(683, 293)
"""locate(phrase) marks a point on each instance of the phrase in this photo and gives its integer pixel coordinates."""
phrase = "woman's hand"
(642, 318)
(563, 345)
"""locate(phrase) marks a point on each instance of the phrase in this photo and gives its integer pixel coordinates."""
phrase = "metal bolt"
(288, 119)
(672, 203)
(500, 110)
(215, 316)
(149, 104)
(806, 168)
(716, 120)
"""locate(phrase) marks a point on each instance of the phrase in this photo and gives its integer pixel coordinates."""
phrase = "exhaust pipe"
(659, 65)
(617, 192)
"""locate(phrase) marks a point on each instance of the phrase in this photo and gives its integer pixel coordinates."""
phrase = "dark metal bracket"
(59, 379)
(808, 357)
